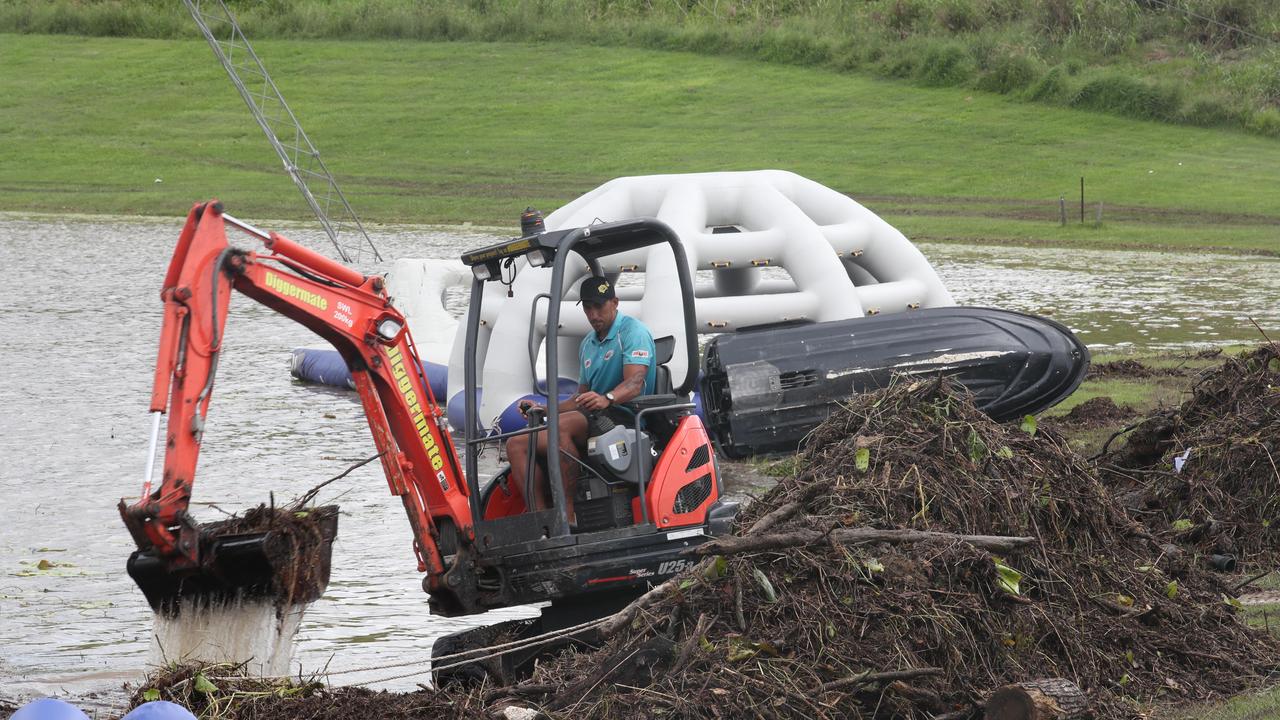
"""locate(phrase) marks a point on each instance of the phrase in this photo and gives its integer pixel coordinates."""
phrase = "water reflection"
(1121, 298)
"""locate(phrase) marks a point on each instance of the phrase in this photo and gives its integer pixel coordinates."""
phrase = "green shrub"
(114, 20)
(900, 60)
(650, 35)
(985, 48)
(1008, 73)
(1123, 95)
(1258, 81)
(847, 55)
(1051, 87)
(958, 16)
(708, 41)
(793, 48)
(904, 15)
(1058, 18)
(1106, 26)
(1005, 11)
(1210, 112)
(945, 66)
(1264, 122)
(1231, 20)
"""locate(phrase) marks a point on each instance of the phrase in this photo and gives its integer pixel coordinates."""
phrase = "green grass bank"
(472, 132)
(1211, 63)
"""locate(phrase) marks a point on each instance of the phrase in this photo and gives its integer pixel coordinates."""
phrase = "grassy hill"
(1210, 63)
(472, 132)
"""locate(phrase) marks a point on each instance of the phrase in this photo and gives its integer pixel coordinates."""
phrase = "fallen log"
(1049, 699)
(850, 536)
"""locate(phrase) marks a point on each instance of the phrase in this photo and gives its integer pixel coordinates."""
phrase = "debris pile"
(870, 586)
(226, 693)
(296, 543)
(922, 557)
(1206, 475)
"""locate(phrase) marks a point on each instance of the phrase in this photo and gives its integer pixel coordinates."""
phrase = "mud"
(1099, 412)
(1129, 368)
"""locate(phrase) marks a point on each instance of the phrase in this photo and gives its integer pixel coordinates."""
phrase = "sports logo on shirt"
(639, 354)
(586, 363)
(608, 355)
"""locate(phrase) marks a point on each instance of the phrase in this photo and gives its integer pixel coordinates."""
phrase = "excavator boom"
(176, 557)
(480, 547)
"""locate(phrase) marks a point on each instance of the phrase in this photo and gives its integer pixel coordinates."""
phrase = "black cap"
(596, 289)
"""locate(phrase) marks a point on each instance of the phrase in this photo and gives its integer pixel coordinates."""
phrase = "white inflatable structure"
(417, 287)
(774, 247)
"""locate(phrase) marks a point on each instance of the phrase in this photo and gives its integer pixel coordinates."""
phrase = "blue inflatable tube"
(159, 710)
(49, 709)
(54, 709)
(328, 368)
(511, 419)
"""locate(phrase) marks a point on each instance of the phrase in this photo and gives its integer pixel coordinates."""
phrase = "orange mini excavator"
(481, 546)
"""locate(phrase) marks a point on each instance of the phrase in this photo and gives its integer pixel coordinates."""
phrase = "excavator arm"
(354, 314)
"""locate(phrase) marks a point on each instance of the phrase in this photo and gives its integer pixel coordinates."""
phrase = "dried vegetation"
(1205, 474)
(920, 558)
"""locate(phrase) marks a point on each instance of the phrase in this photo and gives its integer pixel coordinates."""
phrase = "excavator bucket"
(276, 555)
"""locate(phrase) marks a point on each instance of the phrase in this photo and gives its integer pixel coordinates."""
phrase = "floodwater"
(79, 323)
(1121, 299)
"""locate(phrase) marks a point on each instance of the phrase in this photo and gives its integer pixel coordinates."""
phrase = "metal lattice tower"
(301, 159)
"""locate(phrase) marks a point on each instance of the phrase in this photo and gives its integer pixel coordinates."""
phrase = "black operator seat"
(662, 423)
(663, 349)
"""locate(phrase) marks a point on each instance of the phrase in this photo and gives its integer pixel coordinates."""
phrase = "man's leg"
(573, 439)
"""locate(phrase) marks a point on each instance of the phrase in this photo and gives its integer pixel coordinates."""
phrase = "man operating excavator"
(615, 366)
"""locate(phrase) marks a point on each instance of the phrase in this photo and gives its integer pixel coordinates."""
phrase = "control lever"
(537, 416)
(598, 423)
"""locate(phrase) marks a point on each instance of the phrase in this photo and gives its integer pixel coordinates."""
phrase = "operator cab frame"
(550, 528)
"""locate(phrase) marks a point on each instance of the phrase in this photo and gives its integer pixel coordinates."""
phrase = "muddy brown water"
(79, 323)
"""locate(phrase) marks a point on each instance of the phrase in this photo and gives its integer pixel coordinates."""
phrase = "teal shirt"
(628, 342)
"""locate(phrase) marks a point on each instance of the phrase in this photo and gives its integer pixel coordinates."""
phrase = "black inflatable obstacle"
(765, 389)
